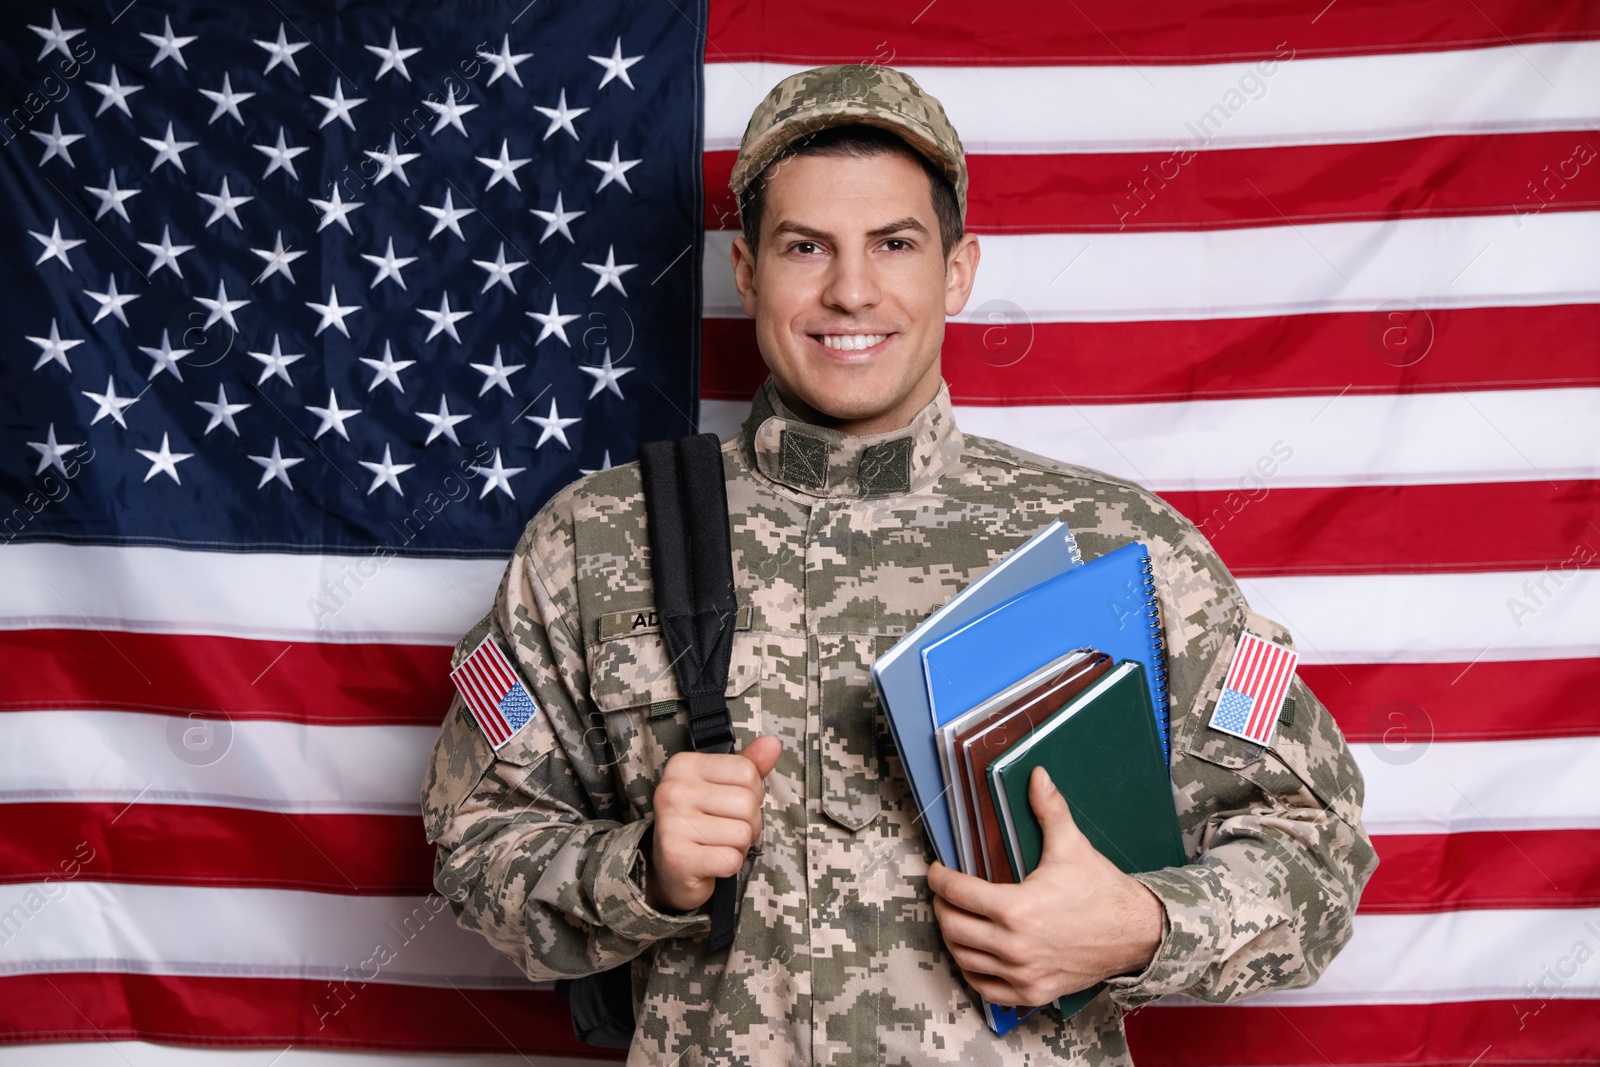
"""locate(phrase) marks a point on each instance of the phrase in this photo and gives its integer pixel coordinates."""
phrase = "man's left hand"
(1075, 920)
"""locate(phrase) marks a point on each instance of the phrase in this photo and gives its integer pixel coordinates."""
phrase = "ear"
(961, 272)
(744, 274)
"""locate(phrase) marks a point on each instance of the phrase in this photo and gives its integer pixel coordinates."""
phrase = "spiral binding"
(1158, 640)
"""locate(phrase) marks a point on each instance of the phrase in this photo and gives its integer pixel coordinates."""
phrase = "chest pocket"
(850, 742)
(646, 720)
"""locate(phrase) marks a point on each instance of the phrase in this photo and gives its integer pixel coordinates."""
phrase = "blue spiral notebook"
(1108, 604)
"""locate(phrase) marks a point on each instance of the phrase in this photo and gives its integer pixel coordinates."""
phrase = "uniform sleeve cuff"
(616, 872)
(1190, 936)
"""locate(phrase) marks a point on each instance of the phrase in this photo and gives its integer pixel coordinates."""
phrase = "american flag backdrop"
(307, 307)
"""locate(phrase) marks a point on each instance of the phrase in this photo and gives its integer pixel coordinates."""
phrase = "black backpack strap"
(691, 567)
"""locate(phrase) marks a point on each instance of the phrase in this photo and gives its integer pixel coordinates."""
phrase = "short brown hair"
(858, 141)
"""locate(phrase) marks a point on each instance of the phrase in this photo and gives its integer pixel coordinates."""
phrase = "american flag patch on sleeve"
(1254, 689)
(493, 692)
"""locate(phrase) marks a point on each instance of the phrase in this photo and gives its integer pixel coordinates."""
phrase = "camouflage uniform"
(841, 545)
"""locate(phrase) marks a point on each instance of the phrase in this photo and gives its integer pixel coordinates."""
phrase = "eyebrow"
(896, 226)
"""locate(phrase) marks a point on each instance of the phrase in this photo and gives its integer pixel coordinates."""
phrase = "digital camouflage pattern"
(841, 546)
(816, 99)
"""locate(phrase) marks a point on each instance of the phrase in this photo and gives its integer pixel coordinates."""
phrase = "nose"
(852, 283)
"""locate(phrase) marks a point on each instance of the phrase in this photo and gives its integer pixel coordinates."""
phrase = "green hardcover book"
(1103, 752)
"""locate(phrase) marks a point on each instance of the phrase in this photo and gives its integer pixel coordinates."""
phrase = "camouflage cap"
(846, 93)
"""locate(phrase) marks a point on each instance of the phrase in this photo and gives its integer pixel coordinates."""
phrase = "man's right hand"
(708, 815)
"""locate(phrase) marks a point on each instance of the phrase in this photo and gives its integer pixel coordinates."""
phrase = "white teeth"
(852, 342)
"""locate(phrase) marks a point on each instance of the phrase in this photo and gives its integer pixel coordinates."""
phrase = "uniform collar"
(823, 462)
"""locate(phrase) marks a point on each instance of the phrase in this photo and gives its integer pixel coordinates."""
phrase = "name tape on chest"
(494, 693)
(1254, 690)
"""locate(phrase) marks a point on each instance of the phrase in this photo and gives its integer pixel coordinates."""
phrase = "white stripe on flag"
(108, 757)
(1303, 101)
(118, 757)
(264, 933)
(1451, 617)
(1466, 261)
(1510, 435)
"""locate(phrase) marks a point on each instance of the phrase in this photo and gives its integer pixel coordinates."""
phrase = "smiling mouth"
(850, 344)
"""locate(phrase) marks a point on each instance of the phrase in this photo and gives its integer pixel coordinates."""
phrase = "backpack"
(691, 569)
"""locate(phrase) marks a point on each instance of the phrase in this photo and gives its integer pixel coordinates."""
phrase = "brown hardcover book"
(982, 742)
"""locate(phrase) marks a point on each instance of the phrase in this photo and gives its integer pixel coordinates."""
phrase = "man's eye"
(803, 247)
(900, 241)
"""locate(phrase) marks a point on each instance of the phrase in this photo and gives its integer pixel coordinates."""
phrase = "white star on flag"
(499, 270)
(333, 313)
(389, 266)
(552, 322)
(280, 156)
(114, 94)
(556, 220)
(394, 57)
(278, 259)
(387, 369)
(221, 308)
(560, 116)
(169, 150)
(496, 375)
(614, 169)
(275, 466)
(449, 216)
(339, 106)
(227, 101)
(165, 461)
(168, 47)
(616, 66)
(275, 363)
(51, 452)
(392, 161)
(498, 477)
(386, 473)
(166, 253)
(503, 167)
(111, 302)
(165, 358)
(444, 320)
(221, 412)
(224, 205)
(281, 51)
(55, 38)
(443, 424)
(610, 272)
(332, 417)
(336, 210)
(55, 246)
(605, 376)
(110, 404)
(112, 199)
(504, 62)
(449, 112)
(53, 349)
(56, 143)
(553, 425)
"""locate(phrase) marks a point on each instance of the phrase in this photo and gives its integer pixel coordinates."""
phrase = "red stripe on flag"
(1484, 701)
(1484, 869)
(388, 855)
(275, 1011)
(484, 704)
(1181, 189)
(179, 844)
(1266, 658)
(1038, 32)
(347, 684)
(1483, 1032)
(1212, 359)
(1259, 529)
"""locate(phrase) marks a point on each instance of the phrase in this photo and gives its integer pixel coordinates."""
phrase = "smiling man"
(592, 837)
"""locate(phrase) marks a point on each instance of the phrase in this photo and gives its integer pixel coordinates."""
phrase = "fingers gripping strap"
(691, 567)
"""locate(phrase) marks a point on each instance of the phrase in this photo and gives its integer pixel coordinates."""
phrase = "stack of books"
(1044, 661)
